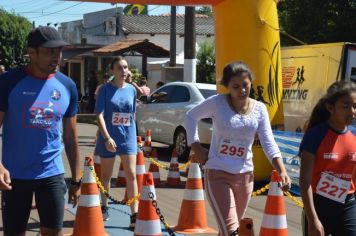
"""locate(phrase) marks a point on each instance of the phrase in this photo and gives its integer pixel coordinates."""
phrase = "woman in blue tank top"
(115, 109)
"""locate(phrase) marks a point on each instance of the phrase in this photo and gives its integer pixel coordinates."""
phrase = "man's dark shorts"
(50, 199)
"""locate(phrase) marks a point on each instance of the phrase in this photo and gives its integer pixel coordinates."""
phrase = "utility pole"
(173, 40)
(189, 45)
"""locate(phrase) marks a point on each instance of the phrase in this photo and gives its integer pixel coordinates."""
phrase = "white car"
(164, 111)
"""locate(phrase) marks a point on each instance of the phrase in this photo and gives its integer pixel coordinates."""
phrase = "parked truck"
(307, 71)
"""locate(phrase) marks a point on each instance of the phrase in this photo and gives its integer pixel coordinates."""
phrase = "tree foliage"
(316, 21)
(13, 34)
(206, 63)
(204, 11)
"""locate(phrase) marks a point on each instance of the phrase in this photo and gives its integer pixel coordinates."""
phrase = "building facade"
(101, 28)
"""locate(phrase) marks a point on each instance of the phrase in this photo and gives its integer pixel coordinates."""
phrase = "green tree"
(13, 34)
(204, 11)
(136, 75)
(206, 63)
(315, 21)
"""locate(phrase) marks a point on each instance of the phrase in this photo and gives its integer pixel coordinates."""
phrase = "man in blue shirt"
(35, 102)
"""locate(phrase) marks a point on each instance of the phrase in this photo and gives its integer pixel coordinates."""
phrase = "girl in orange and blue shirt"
(328, 164)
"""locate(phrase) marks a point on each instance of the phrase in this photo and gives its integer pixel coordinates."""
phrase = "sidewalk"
(169, 200)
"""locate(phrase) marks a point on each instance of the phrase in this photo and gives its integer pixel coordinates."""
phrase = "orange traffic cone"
(192, 216)
(147, 222)
(155, 169)
(97, 165)
(191, 158)
(120, 180)
(147, 148)
(173, 178)
(246, 227)
(274, 220)
(139, 143)
(89, 220)
(140, 167)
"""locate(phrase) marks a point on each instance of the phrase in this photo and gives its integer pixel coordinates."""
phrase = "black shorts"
(337, 219)
(50, 199)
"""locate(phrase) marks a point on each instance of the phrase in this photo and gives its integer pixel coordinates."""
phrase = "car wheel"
(180, 144)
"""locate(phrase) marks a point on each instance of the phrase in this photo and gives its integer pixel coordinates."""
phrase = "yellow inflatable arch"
(245, 30)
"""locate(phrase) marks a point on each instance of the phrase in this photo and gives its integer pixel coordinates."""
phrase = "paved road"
(169, 199)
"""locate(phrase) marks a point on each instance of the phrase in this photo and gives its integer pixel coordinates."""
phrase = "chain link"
(155, 205)
(260, 191)
(236, 232)
(162, 166)
(106, 193)
(288, 194)
(161, 217)
(294, 199)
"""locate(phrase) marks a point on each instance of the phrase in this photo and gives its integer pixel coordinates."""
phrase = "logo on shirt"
(331, 156)
(55, 94)
(28, 93)
(43, 115)
(352, 156)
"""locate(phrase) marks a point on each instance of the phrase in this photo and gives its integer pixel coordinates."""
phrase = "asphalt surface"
(169, 199)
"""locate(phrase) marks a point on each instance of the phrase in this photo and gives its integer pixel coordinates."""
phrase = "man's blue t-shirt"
(118, 106)
(34, 108)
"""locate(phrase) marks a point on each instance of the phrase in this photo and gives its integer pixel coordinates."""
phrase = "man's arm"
(5, 179)
(70, 140)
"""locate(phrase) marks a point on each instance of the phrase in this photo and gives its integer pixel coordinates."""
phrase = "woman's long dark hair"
(235, 68)
(337, 90)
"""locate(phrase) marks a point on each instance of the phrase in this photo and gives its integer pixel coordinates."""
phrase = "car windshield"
(207, 92)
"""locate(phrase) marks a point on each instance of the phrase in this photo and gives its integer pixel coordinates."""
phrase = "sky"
(43, 12)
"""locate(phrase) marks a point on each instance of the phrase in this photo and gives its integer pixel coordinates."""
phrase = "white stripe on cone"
(194, 171)
(89, 200)
(274, 222)
(148, 227)
(88, 176)
(174, 174)
(140, 170)
(274, 190)
(174, 160)
(194, 194)
(146, 190)
(121, 174)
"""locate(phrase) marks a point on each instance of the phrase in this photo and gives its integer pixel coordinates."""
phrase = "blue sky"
(57, 11)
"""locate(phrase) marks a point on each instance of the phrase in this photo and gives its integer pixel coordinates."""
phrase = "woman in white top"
(229, 167)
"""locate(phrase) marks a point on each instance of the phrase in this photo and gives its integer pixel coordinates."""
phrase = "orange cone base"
(274, 232)
(196, 231)
(91, 214)
(246, 227)
(190, 222)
